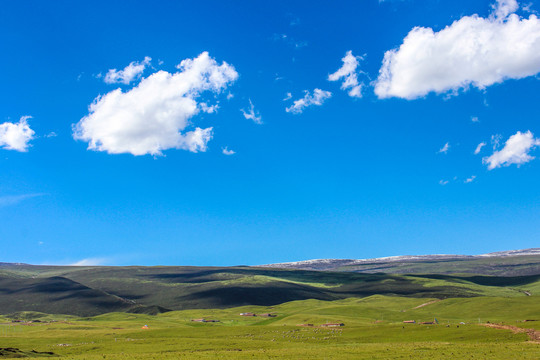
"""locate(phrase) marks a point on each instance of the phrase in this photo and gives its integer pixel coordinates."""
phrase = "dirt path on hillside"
(426, 304)
(534, 335)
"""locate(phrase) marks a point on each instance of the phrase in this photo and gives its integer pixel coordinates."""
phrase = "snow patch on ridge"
(327, 263)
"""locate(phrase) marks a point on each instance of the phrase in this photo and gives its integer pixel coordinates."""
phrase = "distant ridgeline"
(88, 291)
(504, 263)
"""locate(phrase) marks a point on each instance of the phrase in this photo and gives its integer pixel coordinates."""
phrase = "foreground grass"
(373, 330)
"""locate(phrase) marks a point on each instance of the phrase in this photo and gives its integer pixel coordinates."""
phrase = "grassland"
(102, 311)
(373, 330)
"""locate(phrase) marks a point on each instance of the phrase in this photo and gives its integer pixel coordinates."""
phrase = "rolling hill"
(88, 291)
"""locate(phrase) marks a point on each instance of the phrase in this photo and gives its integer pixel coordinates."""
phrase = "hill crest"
(330, 264)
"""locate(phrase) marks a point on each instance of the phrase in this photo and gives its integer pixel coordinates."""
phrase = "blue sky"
(238, 132)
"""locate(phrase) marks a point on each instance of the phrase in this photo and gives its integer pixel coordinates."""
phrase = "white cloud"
(470, 180)
(251, 114)
(153, 116)
(475, 119)
(130, 73)
(226, 151)
(445, 148)
(443, 182)
(287, 97)
(479, 148)
(503, 8)
(349, 75)
(318, 98)
(16, 136)
(210, 109)
(196, 140)
(473, 51)
(515, 151)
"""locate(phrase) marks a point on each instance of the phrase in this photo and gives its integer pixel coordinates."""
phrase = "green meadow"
(373, 329)
(104, 311)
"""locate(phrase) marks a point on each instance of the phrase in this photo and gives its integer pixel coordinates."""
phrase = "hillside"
(86, 291)
(56, 295)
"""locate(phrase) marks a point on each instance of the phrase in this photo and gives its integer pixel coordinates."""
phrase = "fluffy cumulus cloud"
(317, 98)
(515, 151)
(130, 73)
(473, 51)
(348, 73)
(155, 114)
(16, 136)
(252, 114)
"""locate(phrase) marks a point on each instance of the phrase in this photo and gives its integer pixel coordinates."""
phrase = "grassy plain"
(373, 330)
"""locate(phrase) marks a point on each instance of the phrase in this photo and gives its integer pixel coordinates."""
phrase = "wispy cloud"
(252, 114)
(91, 262)
(445, 148)
(226, 151)
(349, 74)
(289, 41)
(470, 180)
(8, 200)
(318, 98)
(479, 148)
(496, 141)
(130, 73)
(51, 135)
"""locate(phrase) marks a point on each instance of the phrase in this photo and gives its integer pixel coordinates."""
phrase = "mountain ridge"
(332, 264)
